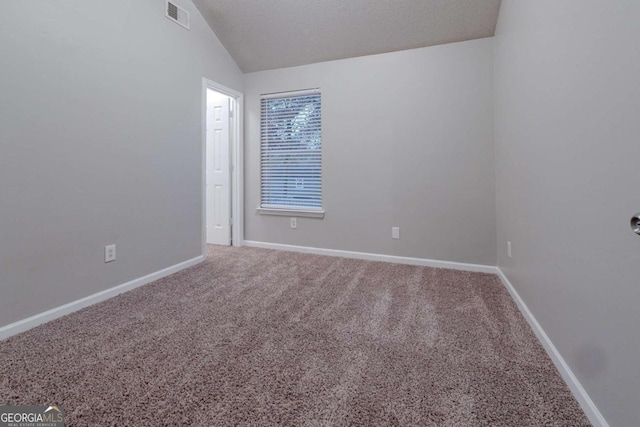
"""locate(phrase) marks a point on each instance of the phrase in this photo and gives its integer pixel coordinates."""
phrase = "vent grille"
(178, 15)
(172, 10)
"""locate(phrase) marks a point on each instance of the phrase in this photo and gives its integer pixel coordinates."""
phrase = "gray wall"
(100, 138)
(567, 149)
(407, 141)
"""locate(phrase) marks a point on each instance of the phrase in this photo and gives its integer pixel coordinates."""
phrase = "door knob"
(635, 223)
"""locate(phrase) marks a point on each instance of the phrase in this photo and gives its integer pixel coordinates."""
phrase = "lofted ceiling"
(268, 34)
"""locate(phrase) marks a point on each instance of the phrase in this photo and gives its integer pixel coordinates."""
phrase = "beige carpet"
(259, 337)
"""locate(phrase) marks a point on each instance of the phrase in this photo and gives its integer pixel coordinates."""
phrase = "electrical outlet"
(395, 232)
(509, 249)
(294, 222)
(109, 253)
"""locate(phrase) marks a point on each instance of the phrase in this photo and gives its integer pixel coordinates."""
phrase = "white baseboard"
(375, 257)
(587, 405)
(63, 310)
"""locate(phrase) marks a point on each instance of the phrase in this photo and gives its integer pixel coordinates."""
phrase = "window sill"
(291, 212)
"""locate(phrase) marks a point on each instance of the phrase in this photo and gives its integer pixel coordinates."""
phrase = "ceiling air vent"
(178, 15)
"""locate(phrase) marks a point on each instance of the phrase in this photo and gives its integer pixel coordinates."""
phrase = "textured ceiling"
(268, 34)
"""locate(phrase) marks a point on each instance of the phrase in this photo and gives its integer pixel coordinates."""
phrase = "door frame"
(236, 167)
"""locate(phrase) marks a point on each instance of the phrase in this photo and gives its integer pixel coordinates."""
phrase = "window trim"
(306, 212)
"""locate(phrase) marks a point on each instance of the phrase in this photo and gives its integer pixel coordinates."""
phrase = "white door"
(218, 171)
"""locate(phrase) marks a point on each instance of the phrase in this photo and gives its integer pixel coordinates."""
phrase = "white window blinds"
(291, 151)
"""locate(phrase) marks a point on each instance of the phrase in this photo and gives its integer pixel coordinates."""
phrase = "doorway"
(222, 153)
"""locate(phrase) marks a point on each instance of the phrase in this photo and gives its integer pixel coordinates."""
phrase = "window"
(291, 153)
